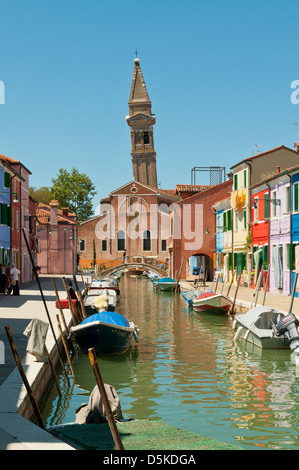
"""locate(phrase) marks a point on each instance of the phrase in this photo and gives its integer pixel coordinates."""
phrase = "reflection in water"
(187, 371)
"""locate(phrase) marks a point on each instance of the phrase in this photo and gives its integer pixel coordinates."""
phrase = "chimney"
(53, 212)
(65, 211)
(296, 146)
(278, 169)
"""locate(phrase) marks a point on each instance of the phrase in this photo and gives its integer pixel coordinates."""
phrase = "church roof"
(138, 88)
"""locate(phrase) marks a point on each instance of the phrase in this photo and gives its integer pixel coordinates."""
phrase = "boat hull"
(107, 332)
(169, 286)
(212, 304)
(255, 327)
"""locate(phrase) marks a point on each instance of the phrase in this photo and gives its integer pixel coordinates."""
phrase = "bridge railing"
(148, 260)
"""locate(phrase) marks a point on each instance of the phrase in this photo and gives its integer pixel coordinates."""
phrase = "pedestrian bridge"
(142, 262)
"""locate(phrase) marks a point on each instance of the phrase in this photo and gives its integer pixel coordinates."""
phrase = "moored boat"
(106, 332)
(165, 283)
(212, 303)
(100, 299)
(267, 328)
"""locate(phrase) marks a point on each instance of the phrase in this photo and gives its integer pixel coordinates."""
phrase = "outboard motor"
(287, 326)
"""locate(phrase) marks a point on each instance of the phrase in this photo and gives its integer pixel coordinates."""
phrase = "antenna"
(257, 149)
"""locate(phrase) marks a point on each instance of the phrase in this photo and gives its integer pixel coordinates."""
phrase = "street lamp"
(218, 226)
(276, 202)
(15, 199)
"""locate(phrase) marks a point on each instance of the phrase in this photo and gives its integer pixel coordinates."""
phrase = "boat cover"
(165, 279)
(205, 295)
(108, 317)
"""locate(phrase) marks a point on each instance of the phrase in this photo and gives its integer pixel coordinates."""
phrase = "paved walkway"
(16, 432)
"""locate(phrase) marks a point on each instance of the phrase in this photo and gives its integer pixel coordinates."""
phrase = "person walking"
(14, 273)
(8, 279)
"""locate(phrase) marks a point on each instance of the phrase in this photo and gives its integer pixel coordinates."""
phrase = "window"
(121, 245)
(296, 197)
(82, 245)
(146, 240)
(256, 209)
(266, 206)
(104, 245)
(274, 207)
(288, 199)
(236, 221)
(163, 245)
(244, 219)
(145, 138)
(227, 221)
(236, 182)
(6, 180)
(245, 179)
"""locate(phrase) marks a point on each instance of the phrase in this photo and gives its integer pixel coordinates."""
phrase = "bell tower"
(141, 122)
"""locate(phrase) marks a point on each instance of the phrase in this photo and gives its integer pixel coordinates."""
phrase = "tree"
(42, 194)
(75, 191)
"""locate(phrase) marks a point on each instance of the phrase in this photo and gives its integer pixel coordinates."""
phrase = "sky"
(218, 72)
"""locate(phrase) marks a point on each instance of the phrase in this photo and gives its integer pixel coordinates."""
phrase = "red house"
(260, 230)
(192, 230)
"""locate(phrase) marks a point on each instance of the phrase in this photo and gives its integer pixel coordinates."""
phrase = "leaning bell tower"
(141, 122)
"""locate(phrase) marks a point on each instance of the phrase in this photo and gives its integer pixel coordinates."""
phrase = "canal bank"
(16, 432)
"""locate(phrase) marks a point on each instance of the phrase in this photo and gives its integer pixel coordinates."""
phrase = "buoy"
(238, 334)
(246, 335)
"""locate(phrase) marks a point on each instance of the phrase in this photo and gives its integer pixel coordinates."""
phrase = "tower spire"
(141, 122)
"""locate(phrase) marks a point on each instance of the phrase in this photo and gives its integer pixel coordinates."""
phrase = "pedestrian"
(124, 255)
(2, 280)
(14, 273)
(8, 279)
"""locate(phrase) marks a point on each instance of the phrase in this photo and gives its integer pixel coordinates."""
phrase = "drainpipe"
(291, 225)
(269, 221)
(249, 223)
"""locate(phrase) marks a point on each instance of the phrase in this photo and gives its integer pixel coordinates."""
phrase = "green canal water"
(188, 372)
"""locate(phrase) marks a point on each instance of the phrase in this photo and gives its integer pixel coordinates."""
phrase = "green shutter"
(245, 178)
(265, 256)
(296, 202)
(230, 259)
(229, 220)
(6, 180)
(266, 206)
(224, 222)
(4, 218)
(245, 219)
(236, 182)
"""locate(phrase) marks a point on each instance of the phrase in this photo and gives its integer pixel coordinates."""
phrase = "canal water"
(188, 372)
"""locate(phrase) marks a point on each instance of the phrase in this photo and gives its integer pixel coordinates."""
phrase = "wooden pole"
(216, 284)
(233, 275)
(63, 317)
(232, 311)
(65, 346)
(79, 294)
(177, 284)
(101, 387)
(75, 318)
(24, 378)
(267, 282)
(53, 371)
(44, 302)
(293, 293)
(257, 287)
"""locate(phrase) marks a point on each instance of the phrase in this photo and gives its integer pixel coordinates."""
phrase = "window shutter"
(296, 202)
(6, 180)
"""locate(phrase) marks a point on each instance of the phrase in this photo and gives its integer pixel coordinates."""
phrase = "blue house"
(6, 198)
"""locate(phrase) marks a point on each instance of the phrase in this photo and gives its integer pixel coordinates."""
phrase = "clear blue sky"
(218, 74)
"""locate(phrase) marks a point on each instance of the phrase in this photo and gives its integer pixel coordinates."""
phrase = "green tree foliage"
(42, 194)
(74, 190)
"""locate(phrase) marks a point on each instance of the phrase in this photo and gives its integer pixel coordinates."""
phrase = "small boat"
(190, 295)
(134, 272)
(267, 328)
(212, 303)
(103, 284)
(107, 332)
(97, 300)
(165, 283)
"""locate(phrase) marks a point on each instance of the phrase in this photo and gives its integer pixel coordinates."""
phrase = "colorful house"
(246, 174)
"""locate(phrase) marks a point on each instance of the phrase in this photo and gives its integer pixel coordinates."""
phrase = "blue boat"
(165, 283)
(107, 332)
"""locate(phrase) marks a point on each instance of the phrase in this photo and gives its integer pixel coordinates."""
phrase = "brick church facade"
(134, 219)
